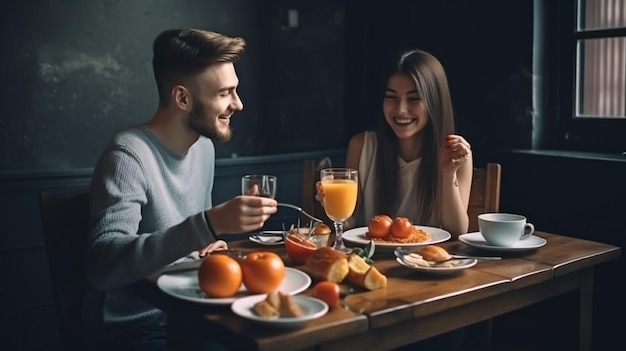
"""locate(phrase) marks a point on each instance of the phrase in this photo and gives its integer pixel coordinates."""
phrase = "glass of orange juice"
(340, 187)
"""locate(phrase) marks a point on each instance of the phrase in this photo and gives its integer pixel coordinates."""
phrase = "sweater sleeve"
(116, 254)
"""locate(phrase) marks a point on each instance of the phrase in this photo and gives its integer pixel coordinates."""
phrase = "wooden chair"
(65, 220)
(484, 197)
(484, 193)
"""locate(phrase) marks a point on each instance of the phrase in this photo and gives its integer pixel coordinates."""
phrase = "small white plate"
(359, 236)
(313, 308)
(476, 240)
(184, 285)
(458, 265)
(268, 237)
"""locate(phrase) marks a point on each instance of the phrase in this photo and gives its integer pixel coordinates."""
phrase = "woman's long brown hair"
(432, 86)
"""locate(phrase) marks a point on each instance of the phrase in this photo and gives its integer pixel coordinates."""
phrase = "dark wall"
(485, 47)
(74, 72)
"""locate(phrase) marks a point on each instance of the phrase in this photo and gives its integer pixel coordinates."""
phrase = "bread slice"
(374, 279)
(363, 274)
(327, 263)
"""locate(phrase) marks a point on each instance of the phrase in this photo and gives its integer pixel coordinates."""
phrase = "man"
(151, 189)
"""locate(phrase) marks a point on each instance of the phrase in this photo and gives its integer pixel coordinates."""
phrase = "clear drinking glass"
(340, 187)
(265, 185)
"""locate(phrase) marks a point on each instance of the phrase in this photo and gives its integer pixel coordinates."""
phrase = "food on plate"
(379, 226)
(429, 256)
(434, 253)
(288, 307)
(401, 227)
(264, 309)
(299, 247)
(363, 274)
(415, 260)
(219, 276)
(277, 304)
(263, 271)
(401, 231)
(328, 292)
(327, 263)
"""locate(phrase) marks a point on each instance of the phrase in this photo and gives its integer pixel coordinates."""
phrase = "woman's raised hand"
(455, 151)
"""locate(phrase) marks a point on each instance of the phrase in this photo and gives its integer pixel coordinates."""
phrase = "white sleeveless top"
(367, 178)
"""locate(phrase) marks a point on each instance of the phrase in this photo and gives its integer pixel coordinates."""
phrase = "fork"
(301, 211)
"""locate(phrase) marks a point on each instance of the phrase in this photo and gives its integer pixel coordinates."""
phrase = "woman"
(414, 165)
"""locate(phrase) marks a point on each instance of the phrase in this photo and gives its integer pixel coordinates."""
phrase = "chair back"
(65, 220)
(484, 193)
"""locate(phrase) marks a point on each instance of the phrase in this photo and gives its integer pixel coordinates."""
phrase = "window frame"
(572, 132)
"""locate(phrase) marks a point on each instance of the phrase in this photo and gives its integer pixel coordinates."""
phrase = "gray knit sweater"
(147, 211)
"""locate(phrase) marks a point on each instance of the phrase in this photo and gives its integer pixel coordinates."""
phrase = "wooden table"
(414, 306)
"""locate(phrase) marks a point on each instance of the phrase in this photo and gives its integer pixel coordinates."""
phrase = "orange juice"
(340, 198)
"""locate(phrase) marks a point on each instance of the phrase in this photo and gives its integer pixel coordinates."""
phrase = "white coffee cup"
(504, 229)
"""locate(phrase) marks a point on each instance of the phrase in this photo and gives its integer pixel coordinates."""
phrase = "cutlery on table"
(282, 204)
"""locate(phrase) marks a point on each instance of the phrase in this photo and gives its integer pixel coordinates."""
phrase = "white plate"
(458, 265)
(184, 285)
(312, 307)
(270, 238)
(358, 236)
(476, 240)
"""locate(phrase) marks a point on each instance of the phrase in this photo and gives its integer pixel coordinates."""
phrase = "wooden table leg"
(586, 308)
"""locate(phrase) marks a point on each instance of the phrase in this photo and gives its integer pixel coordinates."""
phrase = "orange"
(263, 272)
(220, 276)
(299, 247)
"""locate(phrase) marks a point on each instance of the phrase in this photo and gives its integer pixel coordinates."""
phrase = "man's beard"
(198, 124)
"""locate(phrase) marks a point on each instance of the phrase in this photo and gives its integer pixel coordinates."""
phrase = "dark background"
(74, 72)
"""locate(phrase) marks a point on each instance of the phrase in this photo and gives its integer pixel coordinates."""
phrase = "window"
(590, 78)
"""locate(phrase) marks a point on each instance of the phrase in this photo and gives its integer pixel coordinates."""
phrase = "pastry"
(327, 263)
(434, 253)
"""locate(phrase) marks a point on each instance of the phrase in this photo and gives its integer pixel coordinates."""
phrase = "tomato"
(263, 272)
(328, 292)
(379, 226)
(219, 276)
(401, 227)
(299, 247)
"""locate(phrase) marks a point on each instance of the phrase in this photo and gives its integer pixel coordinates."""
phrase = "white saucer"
(476, 240)
(313, 308)
(457, 265)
